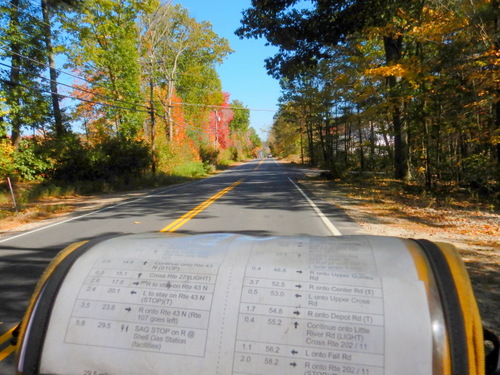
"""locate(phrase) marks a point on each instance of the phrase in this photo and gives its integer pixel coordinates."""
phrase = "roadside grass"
(37, 200)
(42, 199)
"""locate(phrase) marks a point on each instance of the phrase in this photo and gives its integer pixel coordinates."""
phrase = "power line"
(72, 97)
(106, 97)
(147, 110)
(226, 107)
(73, 87)
(29, 14)
(48, 66)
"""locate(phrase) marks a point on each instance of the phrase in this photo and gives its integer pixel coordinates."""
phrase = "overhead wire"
(119, 100)
(225, 107)
(147, 110)
(70, 86)
(29, 14)
(74, 87)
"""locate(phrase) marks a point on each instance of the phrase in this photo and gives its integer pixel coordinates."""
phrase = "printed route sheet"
(229, 304)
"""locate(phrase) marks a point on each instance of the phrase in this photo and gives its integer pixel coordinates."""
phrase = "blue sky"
(242, 74)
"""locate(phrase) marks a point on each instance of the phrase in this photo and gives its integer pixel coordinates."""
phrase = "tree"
(484, 18)
(241, 120)
(106, 53)
(48, 7)
(217, 126)
(285, 138)
(24, 89)
(175, 45)
(306, 35)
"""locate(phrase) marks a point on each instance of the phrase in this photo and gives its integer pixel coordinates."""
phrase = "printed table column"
(145, 305)
(317, 317)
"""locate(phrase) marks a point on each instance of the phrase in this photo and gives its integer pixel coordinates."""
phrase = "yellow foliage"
(396, 70)
(3, 111)
(436, 24)
(495, 139)
(6, 155)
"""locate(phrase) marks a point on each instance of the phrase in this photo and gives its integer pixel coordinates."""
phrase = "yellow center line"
(9, 349)
(169, 228)
(172, 227)
(257, 167)
(7, 335)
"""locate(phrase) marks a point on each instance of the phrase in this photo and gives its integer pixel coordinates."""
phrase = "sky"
(242, 73)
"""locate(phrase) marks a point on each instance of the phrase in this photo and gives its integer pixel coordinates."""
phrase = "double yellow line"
(9, 349)
(169, 228)
(195, 211)
(257, 167)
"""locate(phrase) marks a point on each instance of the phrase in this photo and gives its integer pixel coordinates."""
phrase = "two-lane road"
(260, 198)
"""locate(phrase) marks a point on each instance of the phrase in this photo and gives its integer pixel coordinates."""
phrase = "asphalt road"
(258, 198)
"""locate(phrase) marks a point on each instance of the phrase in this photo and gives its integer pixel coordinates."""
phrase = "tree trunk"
(15, 116)
(310, 142)
(361, 147)
(393, 46)
(427, 156)
(58, 122)
(372, 145)
(496, 99)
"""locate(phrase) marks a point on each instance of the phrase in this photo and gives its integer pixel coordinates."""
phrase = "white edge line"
(333, 230)
(127, 201)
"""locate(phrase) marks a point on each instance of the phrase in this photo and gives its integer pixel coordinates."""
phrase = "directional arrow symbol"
(293, 364)
(139, 275)
(296, 324)
(146, 262)
(297, 313)
(136, 283)
(298, 295)
(298, 286)
(128, 309)
(294, 352)
(299, 271)
(133, 292)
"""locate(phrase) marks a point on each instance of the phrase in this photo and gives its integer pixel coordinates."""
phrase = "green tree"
(244, 138)
(180, 54)
(48, 7)
(23, 53)
(241, 119)
(306, 34)
(286, 138)
(105, 51)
